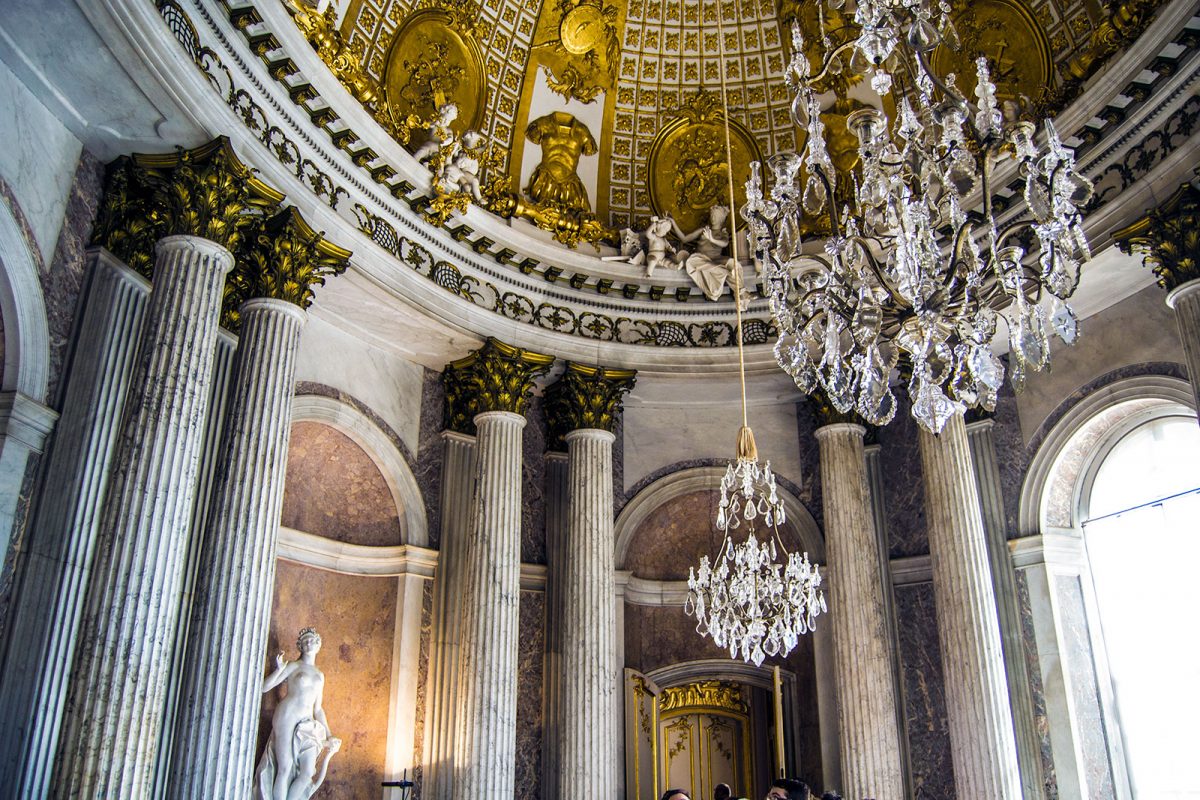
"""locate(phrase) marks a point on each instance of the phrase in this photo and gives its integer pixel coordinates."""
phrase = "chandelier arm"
(959, 100)
(827, 61)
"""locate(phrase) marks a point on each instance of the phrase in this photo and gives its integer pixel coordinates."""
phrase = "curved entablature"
(301, 126)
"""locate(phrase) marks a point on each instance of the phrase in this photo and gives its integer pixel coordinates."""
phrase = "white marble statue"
(440, 135)
(707, 265)
(461, 173)
(650, 248)
(289, 768)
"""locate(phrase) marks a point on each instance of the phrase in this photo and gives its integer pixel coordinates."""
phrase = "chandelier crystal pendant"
(749, 600)
(917, 264)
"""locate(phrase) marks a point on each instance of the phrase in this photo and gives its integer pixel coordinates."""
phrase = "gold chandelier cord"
(736, 272)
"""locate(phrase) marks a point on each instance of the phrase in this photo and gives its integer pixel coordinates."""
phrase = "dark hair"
(669, 792)
(722, 792)
(831, 796)
(797, 790)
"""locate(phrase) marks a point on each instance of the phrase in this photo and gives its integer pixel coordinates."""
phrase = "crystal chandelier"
(916, 265)
(747, 600)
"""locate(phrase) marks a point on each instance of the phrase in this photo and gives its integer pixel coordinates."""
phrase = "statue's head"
(717, 215)
(308, 641)
(472, 138)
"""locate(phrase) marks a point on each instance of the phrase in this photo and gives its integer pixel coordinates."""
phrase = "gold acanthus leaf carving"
(586, 397)
(1168, 237)
(284, 259)
(496, 377)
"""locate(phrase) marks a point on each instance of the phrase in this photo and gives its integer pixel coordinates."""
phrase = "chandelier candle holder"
(747, 600)
(916, 265)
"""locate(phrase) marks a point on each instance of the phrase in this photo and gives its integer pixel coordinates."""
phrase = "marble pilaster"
(62, 534)
(485, 737)
(980, 722)
(116, 693)
(870, 740)
(458, 484)
(589, 668)
(217, 726)
(987, 474)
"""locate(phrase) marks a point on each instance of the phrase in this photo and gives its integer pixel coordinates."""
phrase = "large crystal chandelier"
(746, 600)
(917, 264)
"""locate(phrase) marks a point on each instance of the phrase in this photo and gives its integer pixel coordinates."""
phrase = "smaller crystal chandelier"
(746, 600)
(917, 264)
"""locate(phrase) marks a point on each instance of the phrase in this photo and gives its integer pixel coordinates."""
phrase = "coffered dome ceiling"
(644, 76)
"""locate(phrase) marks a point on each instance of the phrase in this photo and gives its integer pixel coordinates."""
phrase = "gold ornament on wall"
(579, 44)
(320, 28)
(586, 397)
(688, 170)
(433, 60)
(496, 377)
(555, 180)
(1168, 238)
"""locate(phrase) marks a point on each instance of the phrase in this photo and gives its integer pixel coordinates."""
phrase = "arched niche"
(358, 428)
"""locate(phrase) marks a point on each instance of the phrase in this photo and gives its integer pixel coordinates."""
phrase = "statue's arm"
(282, 670)
(684, 238)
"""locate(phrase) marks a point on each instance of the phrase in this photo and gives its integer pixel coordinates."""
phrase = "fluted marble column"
(589, 668)
(458, 485)
(557, 490)
(217, 727)
(490, 388)
(1166, 237)
(582, 409)
(116, 692)
(62, 534)
(1004, 583)
(981, 729)
(487, 691)
(870, 741)
(1185, 301)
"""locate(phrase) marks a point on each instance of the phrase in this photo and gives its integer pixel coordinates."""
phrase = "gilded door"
(705, 737)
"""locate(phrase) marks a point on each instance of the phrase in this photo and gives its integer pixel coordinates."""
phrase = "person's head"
(675, 794)
(722, 792)
(788, 789)
(308, 641)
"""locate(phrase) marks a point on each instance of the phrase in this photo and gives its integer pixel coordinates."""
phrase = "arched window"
(1140, 512)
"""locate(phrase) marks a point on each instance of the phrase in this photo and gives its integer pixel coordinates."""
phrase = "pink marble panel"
(334, 490)
(679, 532)
(356, 617)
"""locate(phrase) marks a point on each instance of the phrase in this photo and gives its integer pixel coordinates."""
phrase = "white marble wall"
(1138, 329)
(668, 420)
(387, 384)
(38, 169)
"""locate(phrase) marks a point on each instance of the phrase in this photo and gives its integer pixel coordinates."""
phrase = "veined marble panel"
(530, 690)
(334, 490)
(924, 693)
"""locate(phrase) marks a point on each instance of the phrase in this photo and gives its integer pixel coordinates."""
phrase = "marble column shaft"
(1185, 302)
(558, 490)
(1004, 581)
(217, 726)
(62, 535)
(458, 486)
(589, 669)
(981, 729)
(870, 740)
(485, 741)
(115, 699)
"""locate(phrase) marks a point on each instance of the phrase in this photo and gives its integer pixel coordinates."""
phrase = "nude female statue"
(288, 768)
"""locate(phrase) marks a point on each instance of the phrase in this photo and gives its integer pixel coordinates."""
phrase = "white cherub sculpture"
(441, 136)
(650, 248)
(461, 172)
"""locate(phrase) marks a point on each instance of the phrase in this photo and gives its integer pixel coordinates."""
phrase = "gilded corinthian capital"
(496, 377)
(586, 397)
(1168, 238)
(283, 258)
(206, 191)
